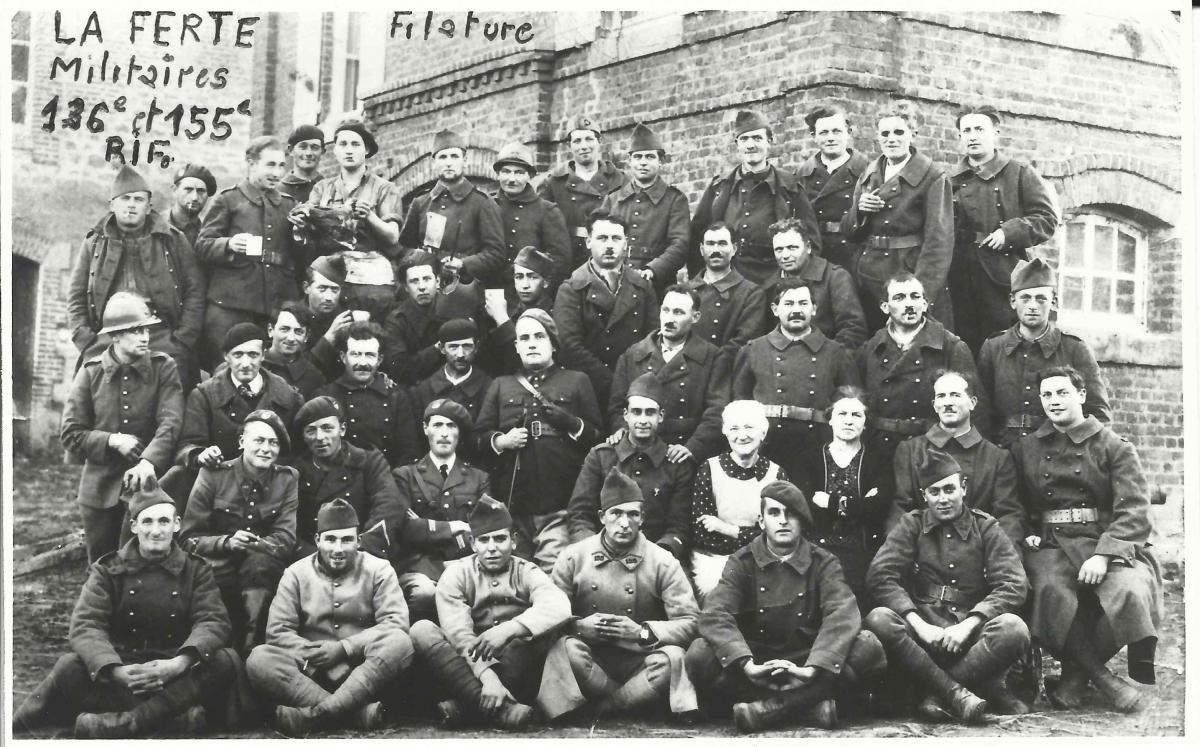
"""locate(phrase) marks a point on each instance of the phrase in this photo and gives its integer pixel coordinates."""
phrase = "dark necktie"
(445, 470)
(244, 392)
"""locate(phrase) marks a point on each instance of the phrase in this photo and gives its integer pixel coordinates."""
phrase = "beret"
(196, 171)
(315, 409)
(543, 318)
(242, 333)
(457, 329)
(336, 514)
(489, 515)
(306, 132)
(355, 126)
(619, 488)
(145, 498)
(272, 419)
(448, 408)
(748, 121)
(791, 496)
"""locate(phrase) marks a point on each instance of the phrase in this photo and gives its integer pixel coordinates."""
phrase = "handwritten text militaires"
(407, 26)
(184, 38)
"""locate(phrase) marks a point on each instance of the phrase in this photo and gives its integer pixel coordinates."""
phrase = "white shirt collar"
(438, 462)
(256, 384)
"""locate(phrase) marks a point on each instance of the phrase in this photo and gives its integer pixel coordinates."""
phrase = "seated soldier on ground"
(780, 670)
(147, 638)
(634, 612)
(498, 615)
(241, 518)
(440, 490)
(337, 635)
(950, 583)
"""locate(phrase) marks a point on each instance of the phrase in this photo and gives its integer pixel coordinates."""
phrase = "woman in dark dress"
(849, 491)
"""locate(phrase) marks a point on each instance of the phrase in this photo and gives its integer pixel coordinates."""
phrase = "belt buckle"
(535, 429)
(1079, 516)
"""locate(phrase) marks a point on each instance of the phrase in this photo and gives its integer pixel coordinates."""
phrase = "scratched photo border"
(28, 172)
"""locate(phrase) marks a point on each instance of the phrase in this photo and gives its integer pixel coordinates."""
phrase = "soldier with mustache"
(732, 308)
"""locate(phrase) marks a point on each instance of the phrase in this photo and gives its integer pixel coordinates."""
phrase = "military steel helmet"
(127, 311)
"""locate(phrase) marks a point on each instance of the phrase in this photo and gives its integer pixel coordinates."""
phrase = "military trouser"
(281, 676)
(865, 663)
(69, 690)
(519, 667)
(541, 537)
(247, 582)
(981, 305)
(105, 530)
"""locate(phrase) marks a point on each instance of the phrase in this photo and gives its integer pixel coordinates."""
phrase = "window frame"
(21, 86)
(1113, 319)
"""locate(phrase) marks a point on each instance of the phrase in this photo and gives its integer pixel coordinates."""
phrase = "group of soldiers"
(576, 450)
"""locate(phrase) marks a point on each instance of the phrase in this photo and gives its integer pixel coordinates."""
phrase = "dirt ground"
(44, 507)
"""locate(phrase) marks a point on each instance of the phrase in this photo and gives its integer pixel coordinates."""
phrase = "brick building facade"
(1093, 101)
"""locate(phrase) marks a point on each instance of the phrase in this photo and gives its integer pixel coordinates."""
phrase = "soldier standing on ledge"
(829, 176)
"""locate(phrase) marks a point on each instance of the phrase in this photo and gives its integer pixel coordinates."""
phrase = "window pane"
(18, 105)
(1125, 296)
(1102, 294)
(20, 25)
(1073, 246)
(1102, 252)
(20, 62)
(1072, 292)
(1126, 253)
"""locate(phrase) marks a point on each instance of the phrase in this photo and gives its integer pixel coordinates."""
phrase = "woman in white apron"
(726, 493)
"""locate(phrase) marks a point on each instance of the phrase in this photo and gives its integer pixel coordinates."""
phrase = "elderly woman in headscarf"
(725, 494)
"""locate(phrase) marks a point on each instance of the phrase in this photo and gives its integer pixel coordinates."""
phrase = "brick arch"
(29, 242)
(415, 175)
(1143, 187)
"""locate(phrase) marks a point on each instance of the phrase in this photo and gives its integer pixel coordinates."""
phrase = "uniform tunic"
(378, 192)
(731, 311)
(749, 204)
(301, 373)
(435, 503)
(215, 413)
(529, 220)
(839, 313)
(410, 341)
(142, 399)
(1009, 367)
(473, 230)
(378, 415)
(990, 477)
(800, 373)
(666, 488)
(658, 219)
(577, 197)
(914, 232)
(899, 383)
(596, 324)
(546, 467)
(830, 195)
(1088, 466)
(468, 393)
(696, 382)
(1000, 194)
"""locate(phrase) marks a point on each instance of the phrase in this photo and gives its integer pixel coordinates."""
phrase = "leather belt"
(792, 412)
(906, 427)
(541, 429)
(941, 593)
(1028, 422)
(894, 242)
(835, 227)
(1070, 516)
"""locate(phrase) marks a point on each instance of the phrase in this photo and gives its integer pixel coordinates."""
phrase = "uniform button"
(131, 591)
(337, 604)
(951, 565)
(594, 587)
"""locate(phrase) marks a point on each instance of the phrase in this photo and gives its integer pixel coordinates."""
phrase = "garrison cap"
(936, 466)
(145, 498)
(531, 259)
(647, 385)
(619, 488)
(337, 514)
(128, 180)
(1033, 274)
(489, 515)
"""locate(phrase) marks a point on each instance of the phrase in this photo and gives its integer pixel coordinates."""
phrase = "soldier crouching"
(781, 630)
(148, 635)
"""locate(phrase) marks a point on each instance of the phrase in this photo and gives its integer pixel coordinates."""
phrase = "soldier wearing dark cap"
(287, 356)
(581, 183)
(459, 379)
(123, 414)
(794, 371)
(498, 615)
(633, 615)
(656, 212)
(306, 146)
(322, 289)
(440, 489)
(1001, 209)
(829, 176)
(1011, 361)
(780, 633)
(604, 307)
(750, 198)
(528, 219)
(194, 184)
(457, 222)
(337, 635)
(241, 517)
(373, 215)
(839, 314)
(379, 412)
(949, 583)
(148, 638)
(1088, 533)
(732, 309)
(640, 453)
(133, 249)
(248, 247)
(694, 375)
(217, 408)
(538, 423)
(533, 273)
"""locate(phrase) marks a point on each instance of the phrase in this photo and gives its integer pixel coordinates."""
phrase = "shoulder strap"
(524, 382)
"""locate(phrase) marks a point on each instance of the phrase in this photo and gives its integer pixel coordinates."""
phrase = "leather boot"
(984, 670)
(104, 726)
(512, 716)
(931, 711)
(1071, 688)
(788, 706)
(823, 715)
(453, 673)
(1000, 699)
(356, 692)
(149, 715)
(451, 713)
(254, 602)
(957, 700)
(35, 710)
(1124, 697)
(370, 717)
(637, 691)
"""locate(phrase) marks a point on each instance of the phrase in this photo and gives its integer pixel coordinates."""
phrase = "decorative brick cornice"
(422, 96)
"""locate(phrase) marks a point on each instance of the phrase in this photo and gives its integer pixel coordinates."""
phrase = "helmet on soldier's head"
(126, 310)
